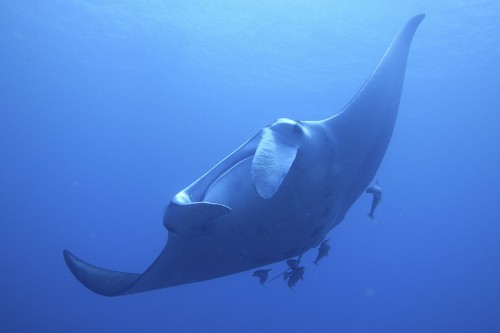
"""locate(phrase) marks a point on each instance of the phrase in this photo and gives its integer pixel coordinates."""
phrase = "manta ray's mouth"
(197, 192)
(272, 151)
(240, 170)
(216, 177)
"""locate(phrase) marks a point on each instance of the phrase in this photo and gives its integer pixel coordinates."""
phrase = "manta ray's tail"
(101, 281)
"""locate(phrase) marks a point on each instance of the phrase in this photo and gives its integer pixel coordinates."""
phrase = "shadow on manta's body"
(277, 195)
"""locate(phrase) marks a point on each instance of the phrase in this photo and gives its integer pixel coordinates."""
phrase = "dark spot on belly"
(327, 211)
(316, 232)
(206, 230)
(261, 230)
(259, 261)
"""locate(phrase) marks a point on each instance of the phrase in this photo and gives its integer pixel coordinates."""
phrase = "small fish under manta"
(262, 274)
(377, 197)
(295, 275)
(294, 272)
(323, 251)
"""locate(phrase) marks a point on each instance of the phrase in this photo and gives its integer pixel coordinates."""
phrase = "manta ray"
(277, 195)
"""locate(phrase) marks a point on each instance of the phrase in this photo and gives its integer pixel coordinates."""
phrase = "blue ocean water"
(107, 109)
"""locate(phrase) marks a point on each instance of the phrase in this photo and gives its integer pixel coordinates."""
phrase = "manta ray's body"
(276, 196)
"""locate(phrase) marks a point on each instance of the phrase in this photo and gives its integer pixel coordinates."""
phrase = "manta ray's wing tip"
(415, 20)
(101, 281)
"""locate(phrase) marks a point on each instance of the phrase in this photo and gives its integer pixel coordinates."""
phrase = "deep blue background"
(108, 108)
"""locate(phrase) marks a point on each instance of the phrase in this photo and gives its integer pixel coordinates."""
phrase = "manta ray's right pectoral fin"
(101, 281)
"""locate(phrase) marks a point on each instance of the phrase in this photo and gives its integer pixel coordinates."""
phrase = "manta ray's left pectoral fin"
(99, 280)
(272, 161)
